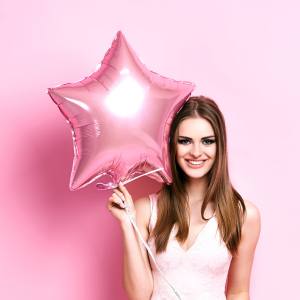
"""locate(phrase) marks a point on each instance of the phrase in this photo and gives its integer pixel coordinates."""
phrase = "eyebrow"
(186, 137)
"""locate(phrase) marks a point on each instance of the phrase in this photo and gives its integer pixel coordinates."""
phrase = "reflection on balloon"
(120, 117)
(127, 91)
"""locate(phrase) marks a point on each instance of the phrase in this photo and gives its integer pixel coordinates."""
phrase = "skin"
(196, 142)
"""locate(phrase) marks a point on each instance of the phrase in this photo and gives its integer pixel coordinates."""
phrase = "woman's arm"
(238, 280)
(137, 274)
(239, 296)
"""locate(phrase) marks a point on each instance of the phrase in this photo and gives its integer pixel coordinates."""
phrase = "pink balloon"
(120, 117)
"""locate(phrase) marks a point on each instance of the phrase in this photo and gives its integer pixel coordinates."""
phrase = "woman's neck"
(196, 189)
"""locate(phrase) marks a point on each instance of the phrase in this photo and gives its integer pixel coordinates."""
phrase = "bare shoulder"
(143, 211)
(253, 213)
(252, 224)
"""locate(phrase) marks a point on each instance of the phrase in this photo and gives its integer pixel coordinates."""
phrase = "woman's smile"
(195, 164)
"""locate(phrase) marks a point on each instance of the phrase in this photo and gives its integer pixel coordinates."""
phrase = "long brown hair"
(173, 207)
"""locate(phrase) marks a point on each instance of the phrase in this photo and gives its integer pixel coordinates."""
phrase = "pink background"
(62, 245)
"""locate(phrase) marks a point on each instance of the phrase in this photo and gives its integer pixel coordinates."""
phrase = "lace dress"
(198, 273)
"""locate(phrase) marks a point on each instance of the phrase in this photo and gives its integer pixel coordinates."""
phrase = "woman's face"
(196, 147)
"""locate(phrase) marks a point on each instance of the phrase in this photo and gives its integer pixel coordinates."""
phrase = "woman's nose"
(196, 150)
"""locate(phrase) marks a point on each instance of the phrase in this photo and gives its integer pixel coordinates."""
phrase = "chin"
(194, 173)
(195, 176)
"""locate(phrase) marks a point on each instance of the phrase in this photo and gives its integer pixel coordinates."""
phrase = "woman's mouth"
(195, 164)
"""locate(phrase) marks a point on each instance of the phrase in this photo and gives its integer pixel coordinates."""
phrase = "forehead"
(195, 127)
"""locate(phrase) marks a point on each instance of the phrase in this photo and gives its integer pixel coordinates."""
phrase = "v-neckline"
(197, 237)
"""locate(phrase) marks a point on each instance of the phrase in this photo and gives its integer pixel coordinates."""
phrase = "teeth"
(196, 162)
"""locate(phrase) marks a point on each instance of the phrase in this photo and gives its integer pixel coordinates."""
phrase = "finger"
(123, 189)
(120, 195)
(115, 200)
(120, 200)
(109, 206)
(127, 202)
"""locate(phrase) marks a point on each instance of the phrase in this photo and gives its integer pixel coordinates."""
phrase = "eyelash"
(186, 140)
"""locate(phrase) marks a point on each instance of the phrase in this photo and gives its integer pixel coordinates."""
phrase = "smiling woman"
(196, 146)
(202, 231)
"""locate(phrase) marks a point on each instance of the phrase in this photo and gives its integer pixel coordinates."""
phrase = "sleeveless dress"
(198, 273)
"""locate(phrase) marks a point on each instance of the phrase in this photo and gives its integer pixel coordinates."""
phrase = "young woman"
(202, 232)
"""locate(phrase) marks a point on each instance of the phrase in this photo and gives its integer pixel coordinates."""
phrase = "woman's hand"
(117, 203)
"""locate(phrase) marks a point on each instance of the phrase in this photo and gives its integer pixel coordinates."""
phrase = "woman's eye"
(184, 142)
(208, 141)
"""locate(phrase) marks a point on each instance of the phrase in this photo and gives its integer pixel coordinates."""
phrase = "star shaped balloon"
(120, 117)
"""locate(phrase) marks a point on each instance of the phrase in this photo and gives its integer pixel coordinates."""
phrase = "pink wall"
(62, 245)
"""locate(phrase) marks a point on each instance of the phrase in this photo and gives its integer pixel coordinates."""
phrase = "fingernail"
(120, 183)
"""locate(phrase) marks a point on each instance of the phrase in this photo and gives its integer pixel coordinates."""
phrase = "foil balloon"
(120, 117)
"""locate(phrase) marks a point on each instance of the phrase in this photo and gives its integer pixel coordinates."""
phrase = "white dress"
(199, 273)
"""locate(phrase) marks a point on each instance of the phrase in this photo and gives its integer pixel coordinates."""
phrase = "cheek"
(212, 152)
(180, 151)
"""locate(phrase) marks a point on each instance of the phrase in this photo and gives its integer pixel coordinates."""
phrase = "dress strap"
(152, 198)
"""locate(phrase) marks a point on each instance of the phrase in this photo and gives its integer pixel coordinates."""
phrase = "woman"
(203, 233)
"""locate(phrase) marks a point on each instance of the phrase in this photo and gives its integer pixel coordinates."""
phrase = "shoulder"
(252, 224)
(142, 204)
(252, 212)
(143, 211)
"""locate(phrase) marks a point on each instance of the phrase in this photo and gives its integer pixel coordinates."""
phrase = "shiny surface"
(120, 117)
